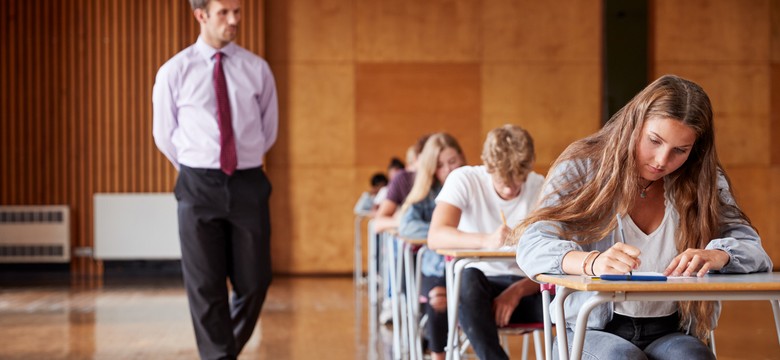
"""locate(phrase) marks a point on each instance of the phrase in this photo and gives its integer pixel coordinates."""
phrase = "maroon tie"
(227, 143)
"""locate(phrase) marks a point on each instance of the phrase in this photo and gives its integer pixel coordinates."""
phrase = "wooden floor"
(303, 318)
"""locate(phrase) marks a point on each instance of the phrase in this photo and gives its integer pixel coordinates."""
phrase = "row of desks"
(724, 287)
(759, 286)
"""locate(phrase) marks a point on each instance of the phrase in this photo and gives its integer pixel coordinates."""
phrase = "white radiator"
(34, 234)
(136, 226)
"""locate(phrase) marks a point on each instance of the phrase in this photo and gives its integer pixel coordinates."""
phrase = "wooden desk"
(458, 259)
(758, 286)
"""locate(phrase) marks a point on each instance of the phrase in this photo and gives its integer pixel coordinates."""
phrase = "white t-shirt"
(470, 188)
(660, 243)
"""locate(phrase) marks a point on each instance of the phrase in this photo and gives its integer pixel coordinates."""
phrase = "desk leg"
(358, 252)
(560, 323)
(547, 325)
(373, 264)
(776, 311)
(582, 322)
(411, 300)
(392, 261)
(452, 313)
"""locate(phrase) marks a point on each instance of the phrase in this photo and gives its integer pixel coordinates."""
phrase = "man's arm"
(269, 108)
(164, 113)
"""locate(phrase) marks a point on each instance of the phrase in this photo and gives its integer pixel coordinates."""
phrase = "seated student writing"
(440, 156)
(468, 216)
(365, 204)
(653, 164)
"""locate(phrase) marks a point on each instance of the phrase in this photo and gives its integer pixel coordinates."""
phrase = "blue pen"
(622, 236)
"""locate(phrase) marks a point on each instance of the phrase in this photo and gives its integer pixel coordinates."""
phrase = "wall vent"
(34, 234)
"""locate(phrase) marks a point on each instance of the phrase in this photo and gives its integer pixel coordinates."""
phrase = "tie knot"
(219, 55)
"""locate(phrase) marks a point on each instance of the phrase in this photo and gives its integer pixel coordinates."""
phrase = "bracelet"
(593, 263)
(585, 261)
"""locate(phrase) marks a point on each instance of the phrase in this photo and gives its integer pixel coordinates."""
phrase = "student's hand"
(504, 305)
(497, 238)
(697, 261)
(619, 259)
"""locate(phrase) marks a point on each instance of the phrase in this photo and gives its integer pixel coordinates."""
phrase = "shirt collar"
(208, 52)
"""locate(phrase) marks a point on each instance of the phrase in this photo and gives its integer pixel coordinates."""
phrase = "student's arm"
(506, 302)
(444, 233)
(414, 222)
(737, 250)
(384, 218)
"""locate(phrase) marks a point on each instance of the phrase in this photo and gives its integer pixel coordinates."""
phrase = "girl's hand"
(498, 238)
(619, 259)
(697, 261)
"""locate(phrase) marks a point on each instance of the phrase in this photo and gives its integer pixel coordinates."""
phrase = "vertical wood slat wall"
(76, 83)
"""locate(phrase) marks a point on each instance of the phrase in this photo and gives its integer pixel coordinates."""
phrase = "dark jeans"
(641, 338)
(436, 327)
(475, 312)
(224, 229)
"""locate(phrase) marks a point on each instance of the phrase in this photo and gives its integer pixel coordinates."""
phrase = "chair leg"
(525, 346)
(538, 344)
(712, 342)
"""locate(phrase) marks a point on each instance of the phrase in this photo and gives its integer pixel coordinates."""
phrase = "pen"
(503, 218)
(622, 236)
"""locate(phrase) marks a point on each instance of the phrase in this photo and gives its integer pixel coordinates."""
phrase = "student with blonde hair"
(440, 156)
(654, 165)
(468, 215)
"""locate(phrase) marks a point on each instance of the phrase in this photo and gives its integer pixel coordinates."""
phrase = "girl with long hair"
(655, 166)
(440, 156)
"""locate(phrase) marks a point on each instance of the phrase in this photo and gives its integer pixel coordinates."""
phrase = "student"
(397, 191)
(653, 164)
(468, 216)
(365, 203)
(395, 168)
(440, 156)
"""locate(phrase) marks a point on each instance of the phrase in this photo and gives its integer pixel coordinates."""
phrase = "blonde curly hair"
(509, 152)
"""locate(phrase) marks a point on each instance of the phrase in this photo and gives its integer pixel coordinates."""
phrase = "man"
(215, 117)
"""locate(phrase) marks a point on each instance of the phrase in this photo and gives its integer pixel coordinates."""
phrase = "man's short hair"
(199, 4)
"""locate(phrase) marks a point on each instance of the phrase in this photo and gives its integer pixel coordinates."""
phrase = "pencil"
(622, 235)
(503, 218)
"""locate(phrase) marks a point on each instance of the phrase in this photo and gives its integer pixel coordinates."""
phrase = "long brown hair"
(427, 164)
(586, 204)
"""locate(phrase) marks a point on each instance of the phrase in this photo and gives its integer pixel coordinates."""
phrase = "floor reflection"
(304, 318)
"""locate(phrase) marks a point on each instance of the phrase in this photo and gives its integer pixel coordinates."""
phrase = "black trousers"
(477, 293)
(224, 229)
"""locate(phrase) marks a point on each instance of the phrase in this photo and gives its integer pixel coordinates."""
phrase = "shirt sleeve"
(269, 108)
(165, 112)
(456, 191)
(416, 222)
(540, 249)
(739, 240)
(399, 187)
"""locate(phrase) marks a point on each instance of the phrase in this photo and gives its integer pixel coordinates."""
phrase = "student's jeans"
(475, 312)
(640, 338)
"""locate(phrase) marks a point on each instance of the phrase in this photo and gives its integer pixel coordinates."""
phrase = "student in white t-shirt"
(468, 215)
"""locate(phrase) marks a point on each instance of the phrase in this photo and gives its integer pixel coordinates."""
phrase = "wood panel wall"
(75, 99)
(730, 49)
(360, 81)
